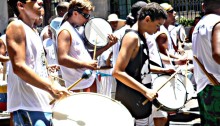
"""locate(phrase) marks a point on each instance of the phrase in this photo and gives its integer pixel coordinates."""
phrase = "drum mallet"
(178, 69)
(86, 75)
(210, 77)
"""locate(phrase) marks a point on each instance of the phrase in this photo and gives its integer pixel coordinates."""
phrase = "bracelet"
(173, 62)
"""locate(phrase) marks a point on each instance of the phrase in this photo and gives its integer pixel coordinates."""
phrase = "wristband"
(173, 62)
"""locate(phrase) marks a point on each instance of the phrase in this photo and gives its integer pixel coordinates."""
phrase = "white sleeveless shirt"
(202, 48)
(79, 52)
(22, 95)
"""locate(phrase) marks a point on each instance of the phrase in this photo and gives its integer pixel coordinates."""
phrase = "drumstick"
(178, 69)
(86, 75)
(211, 78)
(94, 53)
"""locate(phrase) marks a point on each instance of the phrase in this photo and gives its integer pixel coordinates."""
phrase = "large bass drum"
(172, 96)
(96, 32)
(90, 109)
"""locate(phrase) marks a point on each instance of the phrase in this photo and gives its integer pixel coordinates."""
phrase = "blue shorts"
(31, 118)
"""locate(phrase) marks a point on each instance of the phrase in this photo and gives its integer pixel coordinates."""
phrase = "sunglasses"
(170, 11)
(86, 16)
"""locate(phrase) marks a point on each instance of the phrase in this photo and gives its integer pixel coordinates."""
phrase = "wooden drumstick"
(178, 69)
(94, 53)
(211, 78)
(86, 75)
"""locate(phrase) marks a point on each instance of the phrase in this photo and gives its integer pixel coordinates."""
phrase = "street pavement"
(188, 116)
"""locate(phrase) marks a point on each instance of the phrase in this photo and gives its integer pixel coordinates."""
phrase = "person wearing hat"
(174, 46)
(115, 22)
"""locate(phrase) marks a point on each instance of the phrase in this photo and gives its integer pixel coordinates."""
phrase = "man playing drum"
(73, 56)
(28, 82)
(205, 39)
(132, 65)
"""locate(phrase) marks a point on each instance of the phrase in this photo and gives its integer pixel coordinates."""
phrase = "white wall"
(3, 15)
(102, 8)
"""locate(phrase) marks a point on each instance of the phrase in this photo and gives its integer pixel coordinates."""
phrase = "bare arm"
(216, 43)
(3, 57)
(64, 43)
(160, 70)
(16, 43)
(129, 45)
(112, 40)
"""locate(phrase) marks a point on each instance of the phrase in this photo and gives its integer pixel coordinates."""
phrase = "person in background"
(115, 22)
(205, 40)
(61, 9)
(72, 54)
(132, 69)
(174, 46)
(29, 87)
(196, 20)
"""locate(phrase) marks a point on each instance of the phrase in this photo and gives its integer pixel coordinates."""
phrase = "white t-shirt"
(202, 48)
(45, 30)
(20, 94)
(79, 52)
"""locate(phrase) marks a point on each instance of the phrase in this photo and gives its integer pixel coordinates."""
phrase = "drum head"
(90, 109)
(97, 31)
(172, 96)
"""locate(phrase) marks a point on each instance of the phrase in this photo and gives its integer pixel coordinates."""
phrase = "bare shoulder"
(131, 38)
(217, 27)
(15, 32)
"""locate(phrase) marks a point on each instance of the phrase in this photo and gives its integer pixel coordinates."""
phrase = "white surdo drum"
(90, 109)
(172, 96)
(97, 31)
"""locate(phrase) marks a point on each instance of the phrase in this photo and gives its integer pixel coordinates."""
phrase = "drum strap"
(145, 45)
(174, 46)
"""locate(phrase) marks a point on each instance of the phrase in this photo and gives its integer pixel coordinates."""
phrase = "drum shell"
(90, 109)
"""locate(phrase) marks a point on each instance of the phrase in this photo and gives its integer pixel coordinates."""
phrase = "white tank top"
(22, 95)
(79, 52)
(201, 38)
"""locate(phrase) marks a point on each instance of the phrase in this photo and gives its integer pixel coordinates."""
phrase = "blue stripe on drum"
(3, 97)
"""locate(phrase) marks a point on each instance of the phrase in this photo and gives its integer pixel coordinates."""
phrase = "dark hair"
(132, 17)
(154, 10)
(211, 5)
(13, 5)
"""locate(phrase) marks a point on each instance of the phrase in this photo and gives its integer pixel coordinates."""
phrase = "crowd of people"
(40, 66)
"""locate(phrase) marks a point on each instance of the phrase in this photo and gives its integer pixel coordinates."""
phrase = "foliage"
(185, 22)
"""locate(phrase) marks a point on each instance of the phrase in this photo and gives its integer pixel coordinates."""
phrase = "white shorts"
(159, 113)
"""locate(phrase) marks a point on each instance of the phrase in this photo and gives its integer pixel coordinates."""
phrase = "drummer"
(132, 65)
(73, 56)
(28, 84)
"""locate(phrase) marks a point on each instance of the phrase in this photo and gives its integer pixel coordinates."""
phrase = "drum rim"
(91, 93)
(85, 31)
